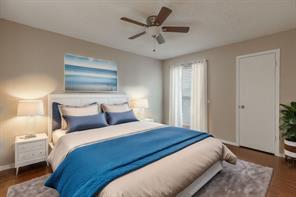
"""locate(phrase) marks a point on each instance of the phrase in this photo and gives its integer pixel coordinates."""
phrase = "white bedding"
(57, 134)
(165, 177)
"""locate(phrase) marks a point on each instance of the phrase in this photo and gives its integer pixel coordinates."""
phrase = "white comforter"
(165, 177)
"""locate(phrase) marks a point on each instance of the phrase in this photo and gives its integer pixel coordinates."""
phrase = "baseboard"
(228, 142)
(279, 154)
(6, 167)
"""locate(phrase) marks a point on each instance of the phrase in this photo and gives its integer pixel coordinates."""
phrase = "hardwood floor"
(283, 182)
(8, 177)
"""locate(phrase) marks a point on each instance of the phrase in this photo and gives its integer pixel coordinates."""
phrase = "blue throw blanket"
(88, 169)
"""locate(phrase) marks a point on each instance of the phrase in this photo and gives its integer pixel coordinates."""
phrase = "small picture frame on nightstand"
(29, 136)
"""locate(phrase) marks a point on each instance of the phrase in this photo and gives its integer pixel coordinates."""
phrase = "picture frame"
(87, 74)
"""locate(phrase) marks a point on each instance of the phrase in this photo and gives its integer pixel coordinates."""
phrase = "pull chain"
(154, 45)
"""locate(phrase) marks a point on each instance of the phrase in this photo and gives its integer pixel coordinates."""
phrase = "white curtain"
(175, 100)
(199, 100)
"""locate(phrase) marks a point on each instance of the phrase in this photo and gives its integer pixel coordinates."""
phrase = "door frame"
(277, 95)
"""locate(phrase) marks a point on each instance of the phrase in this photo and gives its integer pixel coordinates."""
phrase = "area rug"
(244, 179)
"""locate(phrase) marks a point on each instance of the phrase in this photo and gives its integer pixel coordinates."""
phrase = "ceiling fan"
(154, 25)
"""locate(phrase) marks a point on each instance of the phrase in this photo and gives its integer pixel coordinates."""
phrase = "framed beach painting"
(86, 74)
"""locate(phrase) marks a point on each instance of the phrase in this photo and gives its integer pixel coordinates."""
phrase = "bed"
(181, 173)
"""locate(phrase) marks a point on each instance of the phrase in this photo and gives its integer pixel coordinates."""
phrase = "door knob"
(242, 106)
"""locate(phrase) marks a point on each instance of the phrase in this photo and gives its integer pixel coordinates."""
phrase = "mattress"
(165, 177)
(57, 134)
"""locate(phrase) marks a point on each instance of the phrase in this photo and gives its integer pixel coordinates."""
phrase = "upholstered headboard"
(81, 99)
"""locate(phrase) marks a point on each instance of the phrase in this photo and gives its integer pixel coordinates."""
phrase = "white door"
(257, 92)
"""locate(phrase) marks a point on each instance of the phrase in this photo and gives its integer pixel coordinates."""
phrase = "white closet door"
(257, 101)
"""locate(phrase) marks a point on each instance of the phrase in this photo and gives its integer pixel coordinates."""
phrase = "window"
(186, 94)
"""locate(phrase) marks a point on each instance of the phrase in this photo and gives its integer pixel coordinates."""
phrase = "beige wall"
(221, 73)
(32, 61)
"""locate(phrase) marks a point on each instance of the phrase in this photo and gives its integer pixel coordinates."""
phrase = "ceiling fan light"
(153, 31)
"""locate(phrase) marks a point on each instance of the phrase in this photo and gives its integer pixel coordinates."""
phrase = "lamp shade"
(140, 103)
(30, 108)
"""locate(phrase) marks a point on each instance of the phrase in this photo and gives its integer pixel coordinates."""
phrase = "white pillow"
(88, 110)
(123, 107)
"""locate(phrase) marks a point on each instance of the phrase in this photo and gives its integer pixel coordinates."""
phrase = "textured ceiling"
(213, 22)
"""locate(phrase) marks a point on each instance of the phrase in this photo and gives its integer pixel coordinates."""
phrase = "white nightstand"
(31, 150)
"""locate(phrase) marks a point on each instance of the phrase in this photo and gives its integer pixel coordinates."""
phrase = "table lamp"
(140, 105)
(30, 108)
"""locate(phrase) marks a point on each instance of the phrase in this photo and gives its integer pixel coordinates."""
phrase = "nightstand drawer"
(32, 155)
(31, 146)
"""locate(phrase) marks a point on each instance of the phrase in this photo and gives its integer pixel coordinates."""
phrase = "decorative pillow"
(56, 116)
(114, 118)
(80, 123)
(86, 110)
(123, 107)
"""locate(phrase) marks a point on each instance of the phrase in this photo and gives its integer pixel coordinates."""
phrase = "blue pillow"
(80, 123)
(114, 118)
(56, 116)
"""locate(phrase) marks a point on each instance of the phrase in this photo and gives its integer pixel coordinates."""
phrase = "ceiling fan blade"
(162, 15)
(175, 29)
(160, 39)
(137, 35)
(133, 21)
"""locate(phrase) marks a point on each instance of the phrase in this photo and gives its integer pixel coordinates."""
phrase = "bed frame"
(83, 99)
(202, 180)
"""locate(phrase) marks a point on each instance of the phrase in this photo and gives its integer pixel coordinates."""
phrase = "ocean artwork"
(85, 74)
